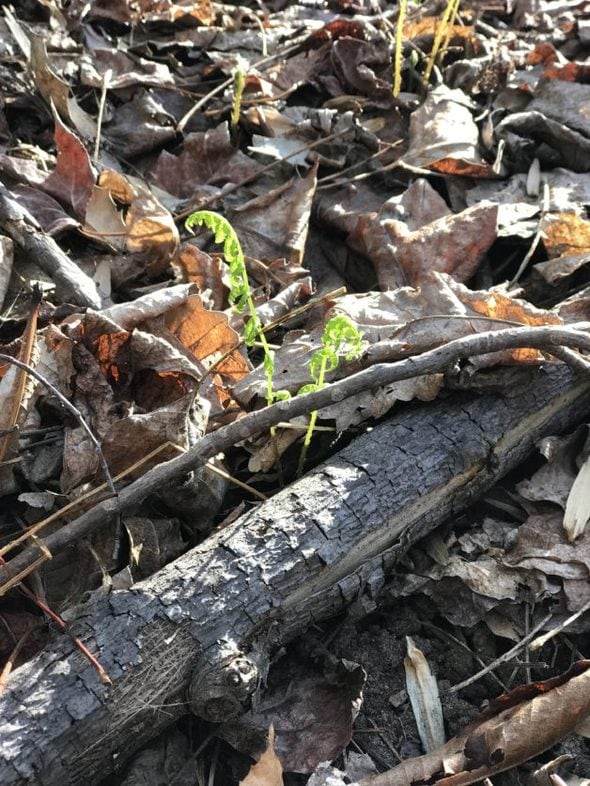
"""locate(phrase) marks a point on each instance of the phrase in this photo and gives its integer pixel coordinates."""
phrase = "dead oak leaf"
(275, 224)
(208, 336)
(415, 235)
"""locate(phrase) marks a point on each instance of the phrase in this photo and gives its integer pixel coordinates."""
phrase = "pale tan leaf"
(268, 771)
(422, 690)
(577, 509)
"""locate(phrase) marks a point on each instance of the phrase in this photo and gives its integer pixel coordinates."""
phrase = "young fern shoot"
(239, 296)
(239, 82)
(341, 339)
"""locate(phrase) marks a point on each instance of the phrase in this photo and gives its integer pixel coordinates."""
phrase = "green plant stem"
(312, 421)
(440, 33)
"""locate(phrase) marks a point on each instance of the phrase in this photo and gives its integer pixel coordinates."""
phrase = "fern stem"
(312, 421)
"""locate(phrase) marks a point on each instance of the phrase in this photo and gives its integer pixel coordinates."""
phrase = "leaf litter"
(443, 212)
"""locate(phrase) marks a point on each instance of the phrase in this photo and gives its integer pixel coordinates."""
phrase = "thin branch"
(434, 361)
(71, 408)
(503, 658)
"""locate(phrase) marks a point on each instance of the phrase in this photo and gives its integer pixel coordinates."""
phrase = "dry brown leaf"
(208, 336)
(206, 272)
(516, 727)
(565, 233)
(268, 770)
(103, 219)
(207, 157)
(151, 230)
(149, 225)
(311, 701)
(73, 179)
(415, 234)
(119, 187)
(429, 25)
(275, 225)
(444, 136)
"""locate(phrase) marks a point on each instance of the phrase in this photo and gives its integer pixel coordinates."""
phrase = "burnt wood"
(210, 619)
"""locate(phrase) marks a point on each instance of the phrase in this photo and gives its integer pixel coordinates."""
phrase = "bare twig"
(71, 408)
(26, 232)
(106, 78)
(507, 656)
(431, 362)
(538, 642)
(231, 187)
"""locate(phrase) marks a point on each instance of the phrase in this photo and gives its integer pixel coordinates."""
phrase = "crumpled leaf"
(415, 234)
(312, 705)
(542, 545)
(516, 727)
(556, 144)
(206, 157)
(357, 64)
(205, 273)
(444, 136)
(148, 227)
(124, 71)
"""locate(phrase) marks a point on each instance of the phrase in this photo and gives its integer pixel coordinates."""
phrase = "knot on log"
(220, 687)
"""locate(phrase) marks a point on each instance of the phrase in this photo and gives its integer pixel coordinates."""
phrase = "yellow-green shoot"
(341, 339)
(239, 82)
(240, 296)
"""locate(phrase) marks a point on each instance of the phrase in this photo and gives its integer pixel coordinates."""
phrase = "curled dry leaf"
(268, 770)
(424, 697)
(577, 509)
(148, 226)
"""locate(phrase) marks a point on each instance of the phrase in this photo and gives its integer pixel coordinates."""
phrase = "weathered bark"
(208, 618)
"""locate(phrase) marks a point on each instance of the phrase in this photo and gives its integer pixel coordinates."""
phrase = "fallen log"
(209, 620)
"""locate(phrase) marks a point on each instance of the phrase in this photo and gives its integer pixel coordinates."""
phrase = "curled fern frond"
(223, 232)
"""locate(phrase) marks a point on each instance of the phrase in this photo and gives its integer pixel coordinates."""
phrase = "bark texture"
(208, 619)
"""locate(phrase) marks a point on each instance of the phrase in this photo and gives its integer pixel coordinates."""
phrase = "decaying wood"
(209, 618)
(557, 340)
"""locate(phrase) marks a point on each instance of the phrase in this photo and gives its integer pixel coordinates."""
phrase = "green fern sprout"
(239, 295)
(341, 338)
(239, 82)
